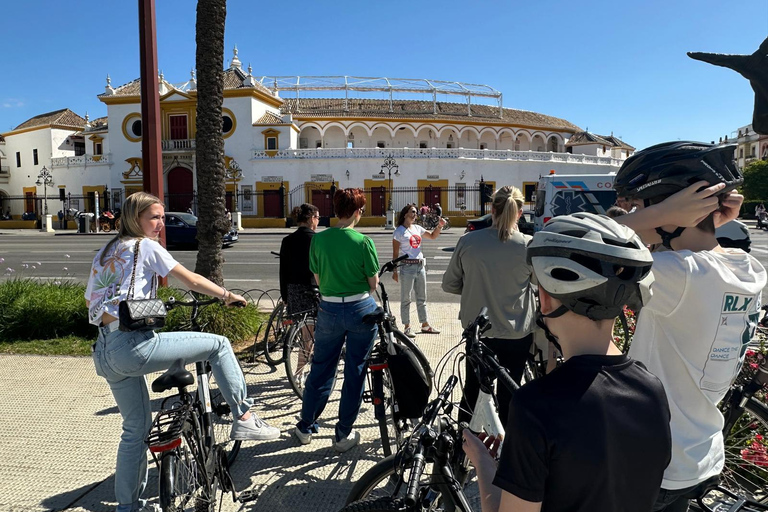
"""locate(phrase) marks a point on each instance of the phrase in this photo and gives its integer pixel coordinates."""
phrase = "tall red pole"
(152, 158)
(151, 151)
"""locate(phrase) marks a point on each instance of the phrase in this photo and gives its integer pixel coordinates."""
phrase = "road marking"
(243, 280)
(760, 249)
(58, 262)
(435, 272)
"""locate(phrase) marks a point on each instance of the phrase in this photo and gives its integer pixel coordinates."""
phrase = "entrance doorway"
(272, 205)
(180, 189)
(378, 201)
(322, 199)
(432, 195)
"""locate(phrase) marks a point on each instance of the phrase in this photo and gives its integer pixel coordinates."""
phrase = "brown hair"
(507, 205)
(303, 213)
(129, 225)
(347, 200)
(404, 212)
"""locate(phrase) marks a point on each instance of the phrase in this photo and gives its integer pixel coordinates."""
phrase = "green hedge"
(35, 310)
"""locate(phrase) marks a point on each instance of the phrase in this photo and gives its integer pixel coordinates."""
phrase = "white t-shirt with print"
(693, 336)
(108, 284)
(410, 241)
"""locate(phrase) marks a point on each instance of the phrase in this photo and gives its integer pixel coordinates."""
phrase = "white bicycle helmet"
(591, 264)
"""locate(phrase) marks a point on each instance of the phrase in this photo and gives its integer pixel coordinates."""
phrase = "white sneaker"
(253, 429)
(303, 437)
(408, 332)
(348, 442)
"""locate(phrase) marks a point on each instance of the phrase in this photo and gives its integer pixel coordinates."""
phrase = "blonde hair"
(129, 225)
(507, 205)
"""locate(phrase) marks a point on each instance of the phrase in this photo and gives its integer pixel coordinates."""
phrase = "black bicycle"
(392, 348)
(189, 438)
(430, 470)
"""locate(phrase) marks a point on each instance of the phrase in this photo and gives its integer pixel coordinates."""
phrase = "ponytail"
(507, 204)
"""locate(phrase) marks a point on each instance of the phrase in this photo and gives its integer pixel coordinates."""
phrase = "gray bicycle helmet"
(667, 168)
(591, 264)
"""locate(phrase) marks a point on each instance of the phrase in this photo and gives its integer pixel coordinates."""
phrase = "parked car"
(525, 224)
(181, 229)
(734, 234)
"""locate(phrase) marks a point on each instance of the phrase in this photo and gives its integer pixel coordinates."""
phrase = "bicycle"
(193, 464)
(274, 333)
(438, 467)
(392, 343)
(299, 345)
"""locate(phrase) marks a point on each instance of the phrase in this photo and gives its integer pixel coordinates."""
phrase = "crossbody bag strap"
(133, 272)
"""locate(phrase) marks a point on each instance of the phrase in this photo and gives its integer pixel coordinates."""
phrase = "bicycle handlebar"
(390, 265)
(479, 353)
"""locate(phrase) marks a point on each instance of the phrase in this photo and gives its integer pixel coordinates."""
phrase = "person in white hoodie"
(693, 333)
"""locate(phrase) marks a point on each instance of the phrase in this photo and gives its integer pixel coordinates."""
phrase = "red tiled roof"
(410, 109)
(63, 117)
(269, 119)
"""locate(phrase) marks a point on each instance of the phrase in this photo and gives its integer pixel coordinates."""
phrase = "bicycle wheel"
(274, 336)
(180, 486)
(384, 504)
(299, 347)
(392, 428)
(222, 419)
(381, 480)
(746, 454)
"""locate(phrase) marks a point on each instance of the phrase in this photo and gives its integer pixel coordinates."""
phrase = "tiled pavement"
(59, 429)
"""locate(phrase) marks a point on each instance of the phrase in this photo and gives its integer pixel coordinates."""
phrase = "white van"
(563, 194)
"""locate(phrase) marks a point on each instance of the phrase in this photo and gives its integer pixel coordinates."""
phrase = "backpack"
(411, 386)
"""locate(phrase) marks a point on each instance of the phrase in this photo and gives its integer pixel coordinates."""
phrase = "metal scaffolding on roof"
(297, 84)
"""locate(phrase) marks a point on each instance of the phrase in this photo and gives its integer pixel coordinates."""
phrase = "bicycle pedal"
(247, 496)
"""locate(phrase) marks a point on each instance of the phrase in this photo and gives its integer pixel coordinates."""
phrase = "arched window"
(552, 146)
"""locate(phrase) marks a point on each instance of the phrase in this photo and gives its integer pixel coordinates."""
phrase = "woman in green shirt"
(345, 265)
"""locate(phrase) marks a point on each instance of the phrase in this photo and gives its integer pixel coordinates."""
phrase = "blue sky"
(603, 65)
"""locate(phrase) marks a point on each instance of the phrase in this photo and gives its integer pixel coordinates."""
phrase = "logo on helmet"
(649, 184)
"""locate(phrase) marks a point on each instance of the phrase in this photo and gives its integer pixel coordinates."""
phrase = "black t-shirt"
(591, 436)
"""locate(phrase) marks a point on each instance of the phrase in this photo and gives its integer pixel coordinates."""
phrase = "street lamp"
(234, 173)
(44, 179)
(389, 164)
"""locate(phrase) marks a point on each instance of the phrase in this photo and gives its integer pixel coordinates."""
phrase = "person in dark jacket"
(295, 276)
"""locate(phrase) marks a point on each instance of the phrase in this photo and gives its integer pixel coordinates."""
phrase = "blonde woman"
(124, 358)
(488, 269)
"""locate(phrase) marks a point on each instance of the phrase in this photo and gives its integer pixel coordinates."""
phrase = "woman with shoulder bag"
(132, 261)
(488, 269)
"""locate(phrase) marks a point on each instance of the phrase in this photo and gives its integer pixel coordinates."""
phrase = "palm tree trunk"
(212, 223)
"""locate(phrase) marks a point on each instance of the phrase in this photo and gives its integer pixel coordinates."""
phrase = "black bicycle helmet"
(591, 264)
(667, 168)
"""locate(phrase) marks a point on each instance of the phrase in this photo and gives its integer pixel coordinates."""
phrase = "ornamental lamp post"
(235, 173)
(45, 179)
(390, 164)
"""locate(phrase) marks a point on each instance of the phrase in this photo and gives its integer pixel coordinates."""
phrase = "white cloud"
(12, 103)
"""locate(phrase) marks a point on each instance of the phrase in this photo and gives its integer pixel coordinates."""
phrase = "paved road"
(249, 263)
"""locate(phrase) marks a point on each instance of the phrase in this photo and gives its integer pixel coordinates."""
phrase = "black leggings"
(512, 355)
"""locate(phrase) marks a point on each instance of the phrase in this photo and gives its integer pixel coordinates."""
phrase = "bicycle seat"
(379, 315)
(175, 377)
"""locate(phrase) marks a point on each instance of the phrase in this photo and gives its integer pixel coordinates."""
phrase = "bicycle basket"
(166, 430)
(411, 385)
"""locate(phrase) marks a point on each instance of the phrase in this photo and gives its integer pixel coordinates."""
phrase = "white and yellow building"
(305, 134)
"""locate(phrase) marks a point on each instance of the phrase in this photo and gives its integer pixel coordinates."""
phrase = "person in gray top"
(488, 269)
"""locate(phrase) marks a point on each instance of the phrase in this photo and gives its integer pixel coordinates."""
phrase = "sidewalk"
(60, 430)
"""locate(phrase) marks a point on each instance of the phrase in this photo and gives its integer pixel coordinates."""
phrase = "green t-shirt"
(344, 259)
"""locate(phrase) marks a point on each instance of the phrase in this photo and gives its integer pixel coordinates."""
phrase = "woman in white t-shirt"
(124, 358)
(412, 276)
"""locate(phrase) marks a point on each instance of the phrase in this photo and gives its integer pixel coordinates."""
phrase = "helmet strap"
(625, 326)
(540, 322)
(667, 237)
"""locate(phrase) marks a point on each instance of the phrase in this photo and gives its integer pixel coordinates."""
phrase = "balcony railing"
(5, 169)
(81, 161)
(178, 145)
(474, 154)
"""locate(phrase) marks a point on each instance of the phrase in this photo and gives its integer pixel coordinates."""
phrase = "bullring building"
(292, 139)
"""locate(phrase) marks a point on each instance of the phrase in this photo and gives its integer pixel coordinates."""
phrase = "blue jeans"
(337, 323)
(413, 277)
(123, 359)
